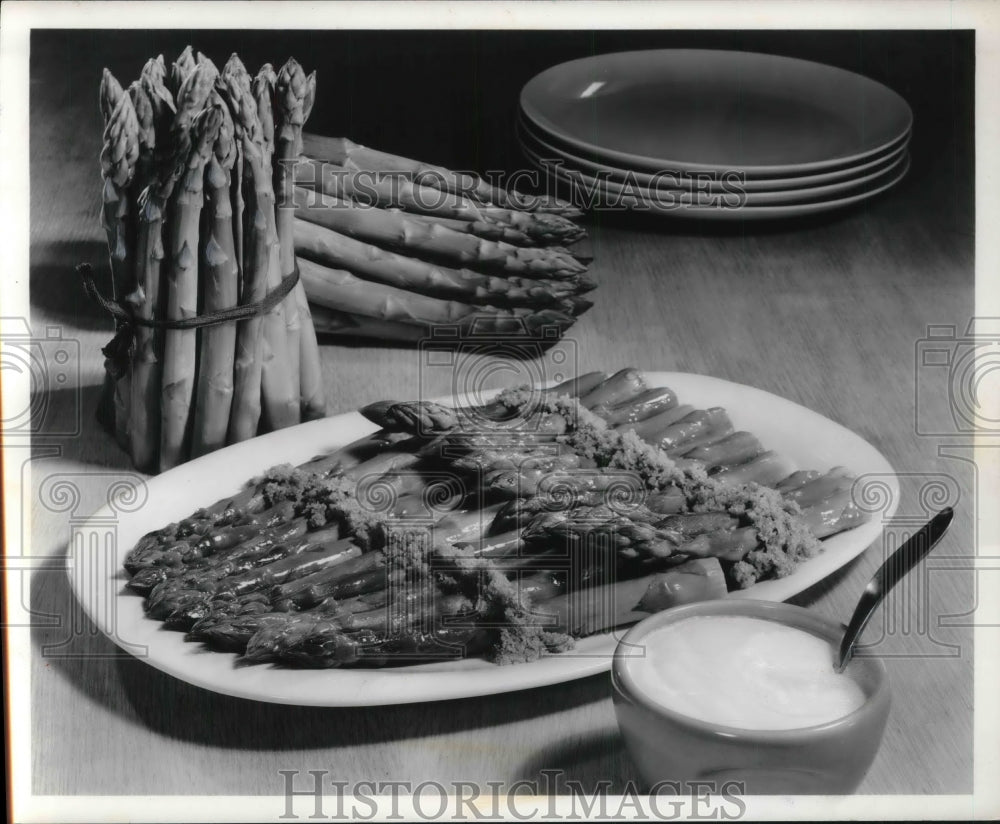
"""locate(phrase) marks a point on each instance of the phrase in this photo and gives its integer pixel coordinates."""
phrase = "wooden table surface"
(826, 312)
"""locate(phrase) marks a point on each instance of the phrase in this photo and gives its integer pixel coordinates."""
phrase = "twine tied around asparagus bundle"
(119, 348)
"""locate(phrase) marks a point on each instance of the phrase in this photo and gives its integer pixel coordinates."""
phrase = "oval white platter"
(810, 440)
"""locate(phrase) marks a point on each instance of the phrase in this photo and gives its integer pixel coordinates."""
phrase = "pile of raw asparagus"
(530, 546)
(389, 247)
(198, 213)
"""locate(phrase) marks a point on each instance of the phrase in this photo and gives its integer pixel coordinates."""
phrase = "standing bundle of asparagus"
(390, 246)
(200, 227)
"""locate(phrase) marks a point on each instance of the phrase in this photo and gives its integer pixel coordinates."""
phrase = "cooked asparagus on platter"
(543, 517)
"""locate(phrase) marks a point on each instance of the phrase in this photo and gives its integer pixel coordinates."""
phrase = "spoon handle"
(895, 568)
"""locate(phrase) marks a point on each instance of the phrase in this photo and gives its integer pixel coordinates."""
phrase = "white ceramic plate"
(598, 197)
(534, 142)
(98, 580)
(699, 109)
(667, 198)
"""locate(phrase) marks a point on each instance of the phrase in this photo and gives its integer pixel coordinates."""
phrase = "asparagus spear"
(682, 432)
(765, 469)
(232, 520)
(220, 285)
(400, 231)
(245, 413)
(148, 299)
(644, 405)
(155, 110)
(144, 174)
(623, 386)
(381, 412)
(296, 93)
(194, 133)
(234, 68)
(797, 479)
(649, 427)
(181, 70)
(279, 397)
(346, 152)
(810, 491)
(479, 228)
(153, 83)
(289, 95)
(255, 566)
(732, 450)
(338, 251)
(342, 291)
(382, 641)
(145, 167)
(835, 513)
(119, 159)
(378, 189)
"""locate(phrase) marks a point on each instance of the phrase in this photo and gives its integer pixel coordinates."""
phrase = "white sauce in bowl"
(744, 672)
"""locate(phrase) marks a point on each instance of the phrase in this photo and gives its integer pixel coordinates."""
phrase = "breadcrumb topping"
(322, 500)
(784, 537)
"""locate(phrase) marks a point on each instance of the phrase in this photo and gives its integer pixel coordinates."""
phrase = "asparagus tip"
(234, 64)
(110, 94)
(310, 96)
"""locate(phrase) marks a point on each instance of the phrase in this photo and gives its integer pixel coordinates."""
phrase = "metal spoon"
(895, 568)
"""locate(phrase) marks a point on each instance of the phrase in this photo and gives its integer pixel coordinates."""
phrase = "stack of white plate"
(720, 135)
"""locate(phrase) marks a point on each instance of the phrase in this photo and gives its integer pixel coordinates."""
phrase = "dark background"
(451, 97)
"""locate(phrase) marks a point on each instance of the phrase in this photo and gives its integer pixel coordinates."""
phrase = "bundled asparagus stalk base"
(396, 246)
(507, 530)
(199, 214)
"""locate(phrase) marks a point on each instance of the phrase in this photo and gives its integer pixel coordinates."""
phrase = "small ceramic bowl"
(671, 750)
